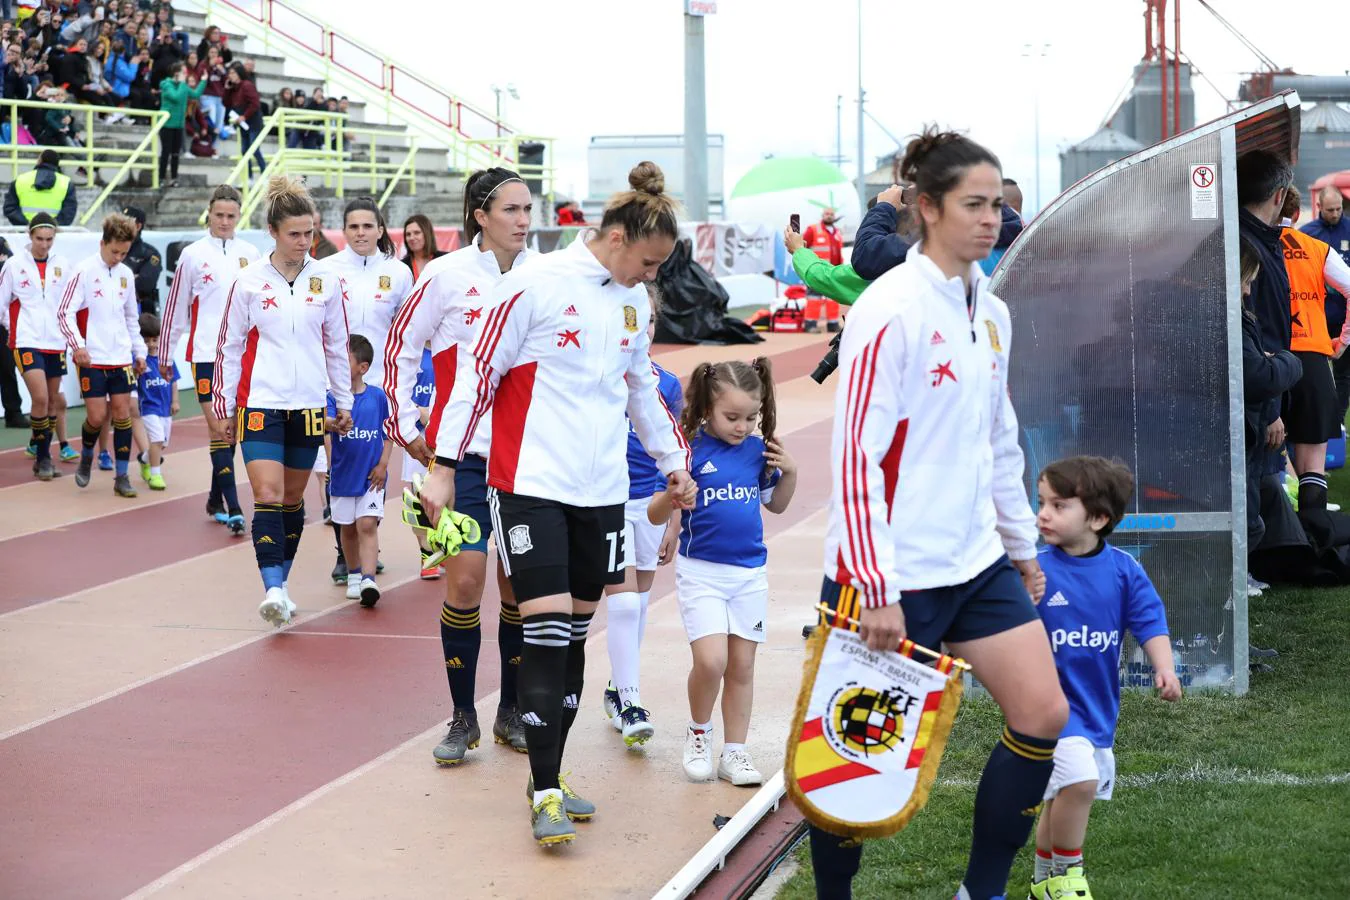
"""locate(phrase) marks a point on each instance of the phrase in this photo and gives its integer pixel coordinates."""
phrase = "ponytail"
(698, 394)
(707, 380)
(768, 408)
(366, 204)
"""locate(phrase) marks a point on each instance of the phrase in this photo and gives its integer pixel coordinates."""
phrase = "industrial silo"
(1098, 151)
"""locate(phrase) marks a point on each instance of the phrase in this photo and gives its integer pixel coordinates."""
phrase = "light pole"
(510, 90)
(695, 117)
(1030, 53)
(862, 160)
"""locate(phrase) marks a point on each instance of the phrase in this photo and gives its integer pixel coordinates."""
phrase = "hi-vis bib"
(868, 733)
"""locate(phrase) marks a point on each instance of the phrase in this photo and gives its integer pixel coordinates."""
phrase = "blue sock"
(286, 569)
(272, 576)
(122, 466)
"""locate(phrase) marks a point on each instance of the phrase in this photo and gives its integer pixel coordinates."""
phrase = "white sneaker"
(737, 768)
(353, 587)
(698, 755)
(1333, 507)
(370, 592)
(290, 604)
(273, 609)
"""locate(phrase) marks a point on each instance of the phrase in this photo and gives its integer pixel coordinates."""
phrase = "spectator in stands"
(58, 126)
(285, 99)
(144, 93)
(211, 70)
(213, 37)
(174, 94)
(163, 55)
(43, 189)
(314, 138)
(299, 135)
(198, 135)
(249, 71)
(120, 71)
(322, 246)
(84, 75)
(15, 75)
(245, 111)
(419, 243)
(145, 264)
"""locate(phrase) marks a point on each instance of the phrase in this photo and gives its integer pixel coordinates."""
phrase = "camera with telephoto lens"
(829, 362)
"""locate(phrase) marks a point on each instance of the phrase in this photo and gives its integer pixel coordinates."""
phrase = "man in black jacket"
(876, 247)
(1263, 180)
(144, 261)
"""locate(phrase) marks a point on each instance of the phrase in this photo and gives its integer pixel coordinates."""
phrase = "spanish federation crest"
(630, 318)
(124, 282)
(520, 540)
(386, 283)
(993, 336)
(243, 262)
(56, 271)
(316, 285)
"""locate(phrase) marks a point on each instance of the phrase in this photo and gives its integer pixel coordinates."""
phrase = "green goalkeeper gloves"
(445, 537)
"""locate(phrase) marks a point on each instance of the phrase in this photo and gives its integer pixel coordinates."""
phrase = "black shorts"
(1310, 414)
(202, 373)
(106, 381)
(992, 602)
(52, 362)
(550, 548)
(291, 437)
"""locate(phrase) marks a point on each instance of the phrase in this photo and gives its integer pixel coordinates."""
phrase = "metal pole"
(839, 130)
(1036, 106)
(862, 160)
(695, 122)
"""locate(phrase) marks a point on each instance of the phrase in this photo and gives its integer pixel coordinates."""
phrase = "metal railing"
(474, 136)
(346, 153)
(144, 157)
(506, 151)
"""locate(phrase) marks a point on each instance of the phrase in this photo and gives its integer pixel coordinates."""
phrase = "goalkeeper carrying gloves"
(445, 537)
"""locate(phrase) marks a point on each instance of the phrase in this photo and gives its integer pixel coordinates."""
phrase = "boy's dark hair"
(1105, 486)
(149, 325)
(361, 348)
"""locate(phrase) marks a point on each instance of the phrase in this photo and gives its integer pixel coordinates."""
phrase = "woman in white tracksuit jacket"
(562, 355)
(931, 536)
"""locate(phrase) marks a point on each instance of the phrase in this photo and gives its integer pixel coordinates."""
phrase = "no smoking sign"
(1204, 192)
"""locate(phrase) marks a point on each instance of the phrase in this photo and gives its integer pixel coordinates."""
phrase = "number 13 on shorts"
(618, 550)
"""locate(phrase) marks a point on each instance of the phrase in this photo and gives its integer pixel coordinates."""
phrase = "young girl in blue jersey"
(412, 467)
(1094, 593)
(720, 574)
(159, 402)
(647, 545)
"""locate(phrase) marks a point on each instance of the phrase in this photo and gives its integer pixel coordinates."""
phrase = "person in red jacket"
(825, 240)
(245, 112)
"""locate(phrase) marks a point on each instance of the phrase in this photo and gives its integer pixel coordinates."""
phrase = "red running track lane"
(107, 799)
(16, 468)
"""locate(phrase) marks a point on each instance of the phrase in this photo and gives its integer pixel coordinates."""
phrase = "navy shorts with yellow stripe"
(992, 602)
(202, 373)
(106, 381)
(471, 497)
(52, 362)
(291, 437)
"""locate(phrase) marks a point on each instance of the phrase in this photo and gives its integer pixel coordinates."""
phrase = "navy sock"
(42, 436)
(834, 862)
(214, 495)
(510, 637)
(269, 542)
(1006, 805)
(88, 441)
(461, 639)
(543, 669)
(293, 521)
(121, 440)
(222, 476)
(574, 676)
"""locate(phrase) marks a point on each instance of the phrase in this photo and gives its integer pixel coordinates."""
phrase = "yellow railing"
(505, 151)
(335, 160)
(144, 157)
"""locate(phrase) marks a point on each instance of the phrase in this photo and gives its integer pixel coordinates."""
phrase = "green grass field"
(1217, 797)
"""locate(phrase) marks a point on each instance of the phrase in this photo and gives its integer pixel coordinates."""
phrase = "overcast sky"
(775, 67)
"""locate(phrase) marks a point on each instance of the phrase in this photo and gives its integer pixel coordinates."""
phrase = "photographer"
(878, 246)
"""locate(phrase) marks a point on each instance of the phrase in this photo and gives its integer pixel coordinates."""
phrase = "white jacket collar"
(586, 262)
(488, 260)
(954, 288)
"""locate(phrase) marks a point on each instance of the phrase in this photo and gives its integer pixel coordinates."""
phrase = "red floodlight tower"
(1167, 58)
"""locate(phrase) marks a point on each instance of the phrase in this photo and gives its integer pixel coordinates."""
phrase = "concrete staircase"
(439, 191)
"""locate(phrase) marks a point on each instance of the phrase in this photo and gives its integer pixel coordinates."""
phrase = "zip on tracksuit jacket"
(928, 487)
(201, 284)
(377, 285)
(564, 352)
(446, 307)
(32, 303)
(282, 346)
(112, 333)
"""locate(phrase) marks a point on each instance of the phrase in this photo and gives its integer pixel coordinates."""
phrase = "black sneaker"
(340, 571)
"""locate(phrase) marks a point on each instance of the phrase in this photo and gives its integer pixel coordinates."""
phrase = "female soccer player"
(565, 352)
(292, 322)
(201, 282)
(446, 308)
(930, 532)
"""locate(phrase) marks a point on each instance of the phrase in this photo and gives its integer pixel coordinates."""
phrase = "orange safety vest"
(1305, 259)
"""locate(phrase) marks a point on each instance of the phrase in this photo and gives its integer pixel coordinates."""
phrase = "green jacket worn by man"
(840, 283)
(173, 99)
(43, 189)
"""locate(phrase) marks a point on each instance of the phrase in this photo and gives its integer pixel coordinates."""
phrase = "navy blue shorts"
(291, 437)
(106, 381)
(471, 497)
(202, 373)
(52, 362)
(992, 602)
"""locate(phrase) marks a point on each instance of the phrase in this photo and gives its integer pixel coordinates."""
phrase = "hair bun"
(279, 186)
(647, 178)
(920, 147)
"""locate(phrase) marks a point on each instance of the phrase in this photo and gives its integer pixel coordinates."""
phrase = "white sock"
(706, 727)
(1045, 867)
(1064, 860)
(155, 470)
(540, 795)
(622, 637)
(730, 748)
(645, 598)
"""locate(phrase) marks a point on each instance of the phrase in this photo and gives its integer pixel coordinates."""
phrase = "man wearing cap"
(144, 261)
(43, 189)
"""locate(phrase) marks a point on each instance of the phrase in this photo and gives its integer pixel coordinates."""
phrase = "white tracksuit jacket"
(562, 355)
(282, 346)
(446, 307)
(196, 303)
(928, 485)
(112, 334)
(33, 306)
(377, 285)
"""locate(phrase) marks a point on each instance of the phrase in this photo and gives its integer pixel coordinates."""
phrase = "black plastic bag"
(694, 309)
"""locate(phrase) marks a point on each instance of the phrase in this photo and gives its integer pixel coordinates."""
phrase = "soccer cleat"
(275, 609)
(509, 730)
(44, 470)
(379, 566)
(698, 755)
(370, 592)
(145, 473)
(550, 821)
(156, 482)
(339, 574)
(216, 510)
(637, 727)
(122, 486)
(290, 604)
(1072, 885)
(612, 707)
(463, 736)
(577, 809)
(69, 454)
(737, 768)
(1038, 890)
(30, 451)
(105, 463)
(235, 523)
(430, 573)
(83, 472)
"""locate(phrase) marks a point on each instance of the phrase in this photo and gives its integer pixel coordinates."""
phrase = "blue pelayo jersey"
(156, 394)
(1089, 602)
(426, 385)
(358, 451)
(644, 479)
(726, 525)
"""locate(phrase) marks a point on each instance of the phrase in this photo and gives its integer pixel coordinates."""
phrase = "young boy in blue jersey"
(1094, 593)
(421, 397)
(647, 546)
(159, 402)
(720, 576)
(358, 462)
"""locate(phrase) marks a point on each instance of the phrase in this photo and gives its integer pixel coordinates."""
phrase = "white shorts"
(157, 428)
(321, 462)
(412, 467)
(346, 510)
(643, 537)
(716, 598)
(1076, 761)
